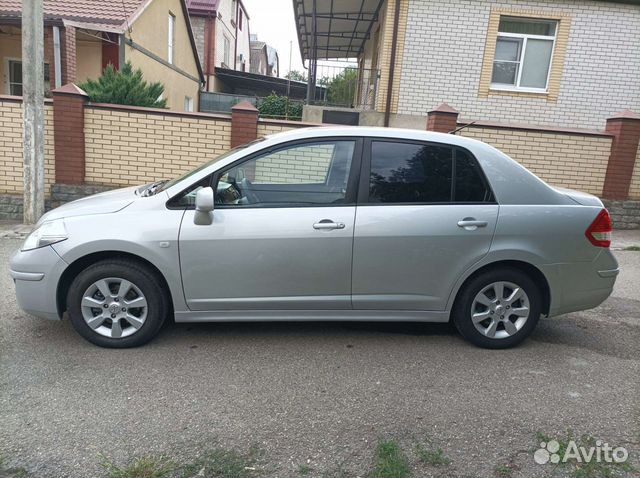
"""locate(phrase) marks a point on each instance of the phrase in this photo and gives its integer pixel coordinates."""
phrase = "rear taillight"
(599, 232)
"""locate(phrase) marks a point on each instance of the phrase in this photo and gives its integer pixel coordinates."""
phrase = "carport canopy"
(341, 30)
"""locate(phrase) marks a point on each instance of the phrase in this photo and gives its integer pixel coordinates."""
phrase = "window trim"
(226, 50)
(171, 38)
(525, 37)
(556, 69)
(365, 174)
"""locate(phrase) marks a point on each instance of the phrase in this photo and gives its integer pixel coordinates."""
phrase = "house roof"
(342, 28)
(91, 11)
(114, 16)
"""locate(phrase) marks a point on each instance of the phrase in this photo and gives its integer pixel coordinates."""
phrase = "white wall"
(444, 52)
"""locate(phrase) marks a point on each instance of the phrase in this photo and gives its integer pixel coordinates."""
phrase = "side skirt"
(312, 315)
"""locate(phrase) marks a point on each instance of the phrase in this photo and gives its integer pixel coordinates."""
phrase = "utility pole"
(33, 109)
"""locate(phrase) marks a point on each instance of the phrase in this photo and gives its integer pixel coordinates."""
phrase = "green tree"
(296, 75)
(342, 89)
(275, 106)
(124, 87)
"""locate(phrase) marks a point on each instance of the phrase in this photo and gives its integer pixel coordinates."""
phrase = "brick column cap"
(626, 115)
(70, 89)
(243, 106)
(445, 108)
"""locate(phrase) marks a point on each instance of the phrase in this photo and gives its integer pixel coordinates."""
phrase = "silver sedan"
(325, 224)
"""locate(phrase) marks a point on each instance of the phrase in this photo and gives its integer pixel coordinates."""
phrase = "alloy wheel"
(500, 310)
(114, 307)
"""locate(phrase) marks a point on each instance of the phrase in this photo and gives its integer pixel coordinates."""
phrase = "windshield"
(168, 184)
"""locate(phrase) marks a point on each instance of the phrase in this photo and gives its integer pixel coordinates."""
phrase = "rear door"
(425, 214)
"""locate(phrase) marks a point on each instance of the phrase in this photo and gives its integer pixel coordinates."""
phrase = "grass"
(391, 462)
(432, 457)
(583, 469)
(11, 472)
(503, 471)
(144, 467)
(224, 463)
(632, 248)
(304, 469)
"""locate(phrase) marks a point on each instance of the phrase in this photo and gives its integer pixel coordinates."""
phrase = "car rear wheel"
(117, 304)
(498, 308)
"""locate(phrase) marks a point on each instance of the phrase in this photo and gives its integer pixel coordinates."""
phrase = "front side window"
(523, 55)
(406, 173)
(299, 175)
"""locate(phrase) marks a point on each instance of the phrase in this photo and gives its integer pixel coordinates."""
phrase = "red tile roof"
(98, 11)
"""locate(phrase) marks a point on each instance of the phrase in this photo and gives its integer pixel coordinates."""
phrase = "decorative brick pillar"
(625, 128)
(244, 123)
(68, 133)
(68, 54)
(443, 119)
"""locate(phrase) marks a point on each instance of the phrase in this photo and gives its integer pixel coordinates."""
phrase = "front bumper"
(36, 274)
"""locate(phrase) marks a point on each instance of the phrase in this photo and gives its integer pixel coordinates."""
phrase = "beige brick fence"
(126, 145)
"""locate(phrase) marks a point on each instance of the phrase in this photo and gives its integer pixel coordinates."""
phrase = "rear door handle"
(328, 225)
(471, 224)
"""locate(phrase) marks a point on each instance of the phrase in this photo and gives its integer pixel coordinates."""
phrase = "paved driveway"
(314, 399)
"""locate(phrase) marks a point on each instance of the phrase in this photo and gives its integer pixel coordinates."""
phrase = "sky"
(274, 24)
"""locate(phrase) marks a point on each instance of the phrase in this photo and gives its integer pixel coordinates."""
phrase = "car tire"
(99, 315)
(491, 321)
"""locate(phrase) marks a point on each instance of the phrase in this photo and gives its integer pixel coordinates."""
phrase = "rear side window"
(424, 173)
(410, 173)
(470, 185)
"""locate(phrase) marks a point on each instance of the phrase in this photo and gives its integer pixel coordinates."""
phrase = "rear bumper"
(36, 274)
(581, 285)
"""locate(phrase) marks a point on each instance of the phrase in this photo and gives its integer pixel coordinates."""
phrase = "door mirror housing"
(204, 207)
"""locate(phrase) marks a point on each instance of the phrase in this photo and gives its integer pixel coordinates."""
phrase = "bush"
(281, 107)
(124, 87)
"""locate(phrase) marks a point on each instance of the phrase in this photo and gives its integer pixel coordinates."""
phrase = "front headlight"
(47, 233)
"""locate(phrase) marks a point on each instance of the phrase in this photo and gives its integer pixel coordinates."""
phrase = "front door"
(425, 215)
(282, 232)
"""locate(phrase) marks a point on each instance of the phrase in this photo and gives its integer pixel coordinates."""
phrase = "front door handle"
(328, 225)
(471, 224)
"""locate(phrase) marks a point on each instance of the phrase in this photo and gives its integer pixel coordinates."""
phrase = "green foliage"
(281, 107)
(145, 467)
(342, 89)
(432, 457)
(296, 75)
(124, 87)
(391, 462)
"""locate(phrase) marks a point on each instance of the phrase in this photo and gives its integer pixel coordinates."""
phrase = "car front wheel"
(498, 308)
(117, 304)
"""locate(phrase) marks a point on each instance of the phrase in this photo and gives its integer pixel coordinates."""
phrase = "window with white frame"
(188, 103)
(172, 37)
(227, 52)
(524, 50)
(14, 87)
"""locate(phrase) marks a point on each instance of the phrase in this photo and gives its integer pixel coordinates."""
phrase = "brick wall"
(603, 36)
(634, 192)
(268, 127)
(575, 161)
(129, 146)
(299, 165)
(11, 151)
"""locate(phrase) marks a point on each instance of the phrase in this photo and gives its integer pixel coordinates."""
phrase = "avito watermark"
(549, 452)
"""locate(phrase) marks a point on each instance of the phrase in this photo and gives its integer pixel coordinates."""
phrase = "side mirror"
(204, 207)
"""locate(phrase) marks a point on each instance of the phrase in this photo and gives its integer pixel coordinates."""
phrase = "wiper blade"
(152, 188)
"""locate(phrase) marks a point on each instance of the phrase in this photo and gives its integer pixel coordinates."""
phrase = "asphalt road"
(317, 394)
